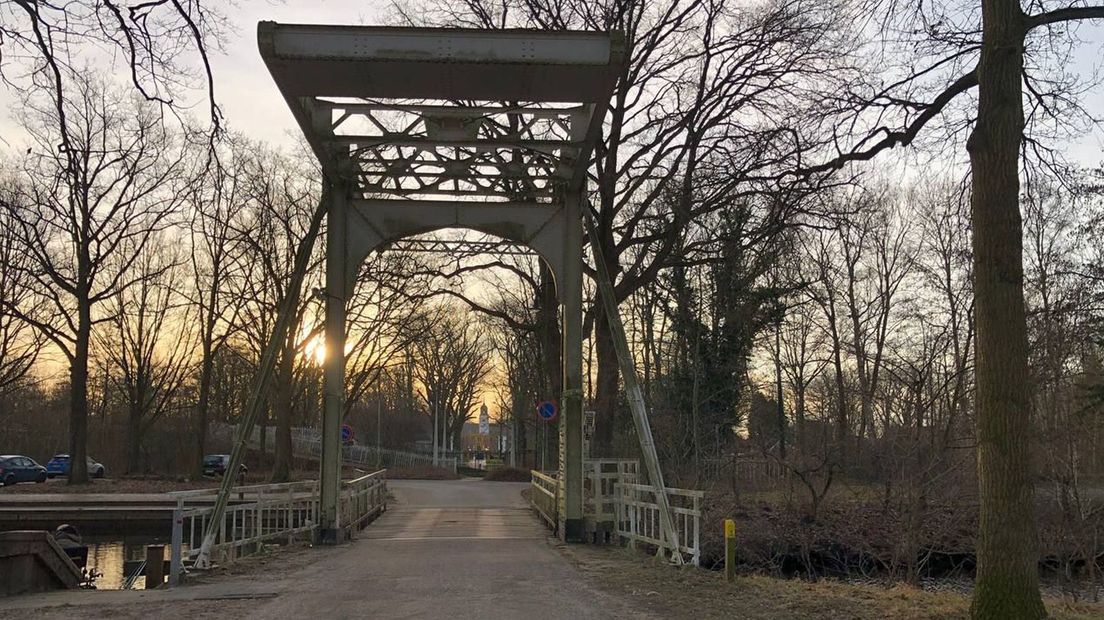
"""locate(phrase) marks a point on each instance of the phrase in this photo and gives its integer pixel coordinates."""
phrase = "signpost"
(547, 411)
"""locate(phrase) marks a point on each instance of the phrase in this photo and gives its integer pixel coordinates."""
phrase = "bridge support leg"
(572, 526)
(329, 531)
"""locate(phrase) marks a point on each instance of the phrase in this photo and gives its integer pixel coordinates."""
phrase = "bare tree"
(986, 50)
(20, 344)
(281, 199)
(45, 40)
(451, 362)
(707, 110)
(149, 342)
(90, 210)
(212, 200)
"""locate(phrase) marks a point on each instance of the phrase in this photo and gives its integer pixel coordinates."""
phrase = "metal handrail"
(272, 512)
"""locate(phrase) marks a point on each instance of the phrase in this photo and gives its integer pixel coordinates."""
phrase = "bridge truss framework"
(417, 130)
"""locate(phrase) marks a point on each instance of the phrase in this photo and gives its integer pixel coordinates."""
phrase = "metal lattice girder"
(430, 113)
(460, 247)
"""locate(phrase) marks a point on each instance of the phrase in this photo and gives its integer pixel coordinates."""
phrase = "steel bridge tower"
(419, 129)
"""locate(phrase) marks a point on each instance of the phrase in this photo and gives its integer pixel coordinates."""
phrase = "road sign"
(547, 411)
(347, 433)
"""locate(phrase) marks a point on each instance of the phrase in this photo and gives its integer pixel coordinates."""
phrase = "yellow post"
(730, 548)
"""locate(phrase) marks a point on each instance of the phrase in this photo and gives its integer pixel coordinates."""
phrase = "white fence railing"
(638, 518)
(255, 515)
(544, 495)
(264, 513)
(616, 503)
(362, 499)
(307, 442)
(600, 480)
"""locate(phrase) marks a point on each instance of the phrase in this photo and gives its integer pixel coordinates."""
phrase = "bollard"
(155, 566)
(730, 548)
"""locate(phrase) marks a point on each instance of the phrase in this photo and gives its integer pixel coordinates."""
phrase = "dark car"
(216, 464)
(59, 466)
(15, 469)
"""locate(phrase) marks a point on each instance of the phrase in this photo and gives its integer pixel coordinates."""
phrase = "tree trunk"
(134, 433)
(1007, 583)
(202, 410)
(605, 394)
(778, 387)
(78, 396)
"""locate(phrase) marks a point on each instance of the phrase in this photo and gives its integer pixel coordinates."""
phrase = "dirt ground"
(651, 586)
(689, 592)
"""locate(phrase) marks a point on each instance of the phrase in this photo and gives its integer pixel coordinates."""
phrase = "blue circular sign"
(547, 411)
(346, 433)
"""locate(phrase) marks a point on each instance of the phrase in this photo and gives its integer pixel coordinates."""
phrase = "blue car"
(15, 469)
(59, 466)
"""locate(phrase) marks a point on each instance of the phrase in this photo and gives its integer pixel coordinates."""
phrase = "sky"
(252, 105)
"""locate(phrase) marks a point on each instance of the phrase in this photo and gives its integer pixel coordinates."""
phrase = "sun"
(315, 350)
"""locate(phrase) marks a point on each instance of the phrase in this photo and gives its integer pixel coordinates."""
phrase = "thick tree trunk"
(78, 397)
(1007, 583)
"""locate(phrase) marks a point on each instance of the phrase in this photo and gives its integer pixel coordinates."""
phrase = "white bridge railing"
(544, 494)
(307, 442)
(600, 480)
(615, 502)
(363, 499)
(638, 518)
(265, 513)
(255, 515)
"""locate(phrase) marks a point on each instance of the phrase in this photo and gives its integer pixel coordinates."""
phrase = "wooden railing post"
(155, 566)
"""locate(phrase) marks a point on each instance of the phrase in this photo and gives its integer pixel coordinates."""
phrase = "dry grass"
(508, 474)
(689, 592)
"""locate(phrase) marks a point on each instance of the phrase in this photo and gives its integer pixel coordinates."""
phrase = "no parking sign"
(547, 411)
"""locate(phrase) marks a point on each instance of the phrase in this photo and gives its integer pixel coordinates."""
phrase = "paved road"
(455, 549)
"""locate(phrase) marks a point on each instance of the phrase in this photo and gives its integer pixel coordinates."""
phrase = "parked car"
(59, 466)
(216, 464)
(15, 469)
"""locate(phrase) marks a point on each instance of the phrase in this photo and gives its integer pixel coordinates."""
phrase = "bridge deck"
(455, 549)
